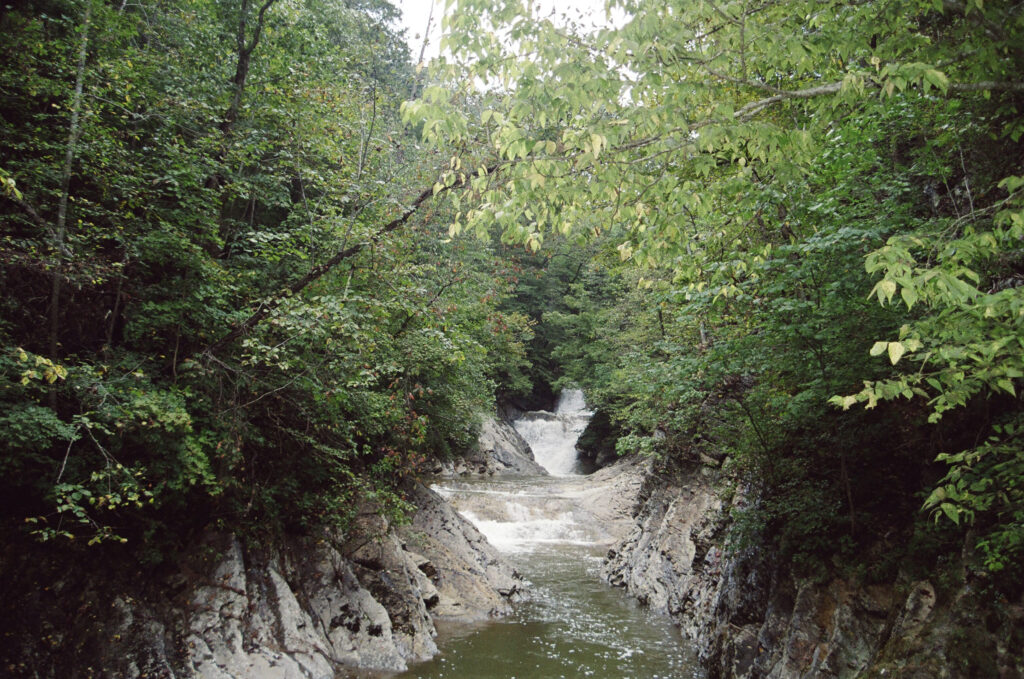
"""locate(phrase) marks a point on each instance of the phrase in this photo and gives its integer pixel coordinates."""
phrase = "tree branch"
(317, 272)
(259, 27)
(36, 218)
(753, 108)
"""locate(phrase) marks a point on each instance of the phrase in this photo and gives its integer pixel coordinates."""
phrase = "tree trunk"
(420, 66)
(60, 230)
(244, 49)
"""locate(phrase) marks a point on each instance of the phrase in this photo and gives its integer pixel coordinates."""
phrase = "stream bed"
(574, 624)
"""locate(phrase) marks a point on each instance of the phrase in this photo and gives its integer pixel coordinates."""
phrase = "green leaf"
(937, 78)
(896, 350)
(909, 296)
(937, 496)
(885, 289)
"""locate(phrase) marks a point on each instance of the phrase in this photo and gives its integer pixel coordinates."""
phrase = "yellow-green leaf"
(896, 350)
(888, 288)
(909, 297)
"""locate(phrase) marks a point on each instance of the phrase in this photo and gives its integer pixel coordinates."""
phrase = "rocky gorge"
(299, 608)
(752, 617)
(370, 601)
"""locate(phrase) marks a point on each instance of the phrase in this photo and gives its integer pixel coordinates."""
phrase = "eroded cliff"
(301, 608)
(751, 617)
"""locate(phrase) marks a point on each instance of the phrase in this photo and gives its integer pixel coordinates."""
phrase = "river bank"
(751, 616)
(556, 528)
(300, 608)
(504, 567)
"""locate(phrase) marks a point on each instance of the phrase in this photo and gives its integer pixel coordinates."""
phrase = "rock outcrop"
(299, 609)
(499, 450)
(596, 444)
(751, 618)
(470, 577)
(304, 610)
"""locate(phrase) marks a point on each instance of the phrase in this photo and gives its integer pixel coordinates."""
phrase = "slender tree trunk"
(367, 138)
(115, 310)
(60, 228)
(849, 492)
(244, 48)
(423, 51)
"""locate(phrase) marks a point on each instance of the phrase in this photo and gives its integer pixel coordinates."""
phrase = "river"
(574, 625)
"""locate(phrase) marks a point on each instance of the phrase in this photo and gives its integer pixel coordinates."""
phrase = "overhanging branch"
(317, 272)
(755, 107)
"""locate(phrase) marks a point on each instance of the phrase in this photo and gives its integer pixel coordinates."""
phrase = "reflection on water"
(575, 626)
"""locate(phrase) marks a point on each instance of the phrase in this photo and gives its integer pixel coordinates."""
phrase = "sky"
(416, 12)
(414, 21)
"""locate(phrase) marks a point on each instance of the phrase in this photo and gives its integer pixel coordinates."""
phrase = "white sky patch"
(588, 14)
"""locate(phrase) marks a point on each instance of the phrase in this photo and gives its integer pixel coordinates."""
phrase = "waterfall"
(556, 529)
(553, 436)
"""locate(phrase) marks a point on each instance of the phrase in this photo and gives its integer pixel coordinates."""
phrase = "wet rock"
(499, 450)
(596, 444)
(917, 609)
(475, 581)
(658, 560)
(749, 617)
(302, 608)
(502, 444)
(752, 619)
(299, 611)
(608, 498)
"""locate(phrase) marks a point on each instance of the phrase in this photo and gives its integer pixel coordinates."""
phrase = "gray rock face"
(471, 578)
(748, 618)
(752, 619)
(303, 609)
(659, 561)
(266, 615)
(499, 450)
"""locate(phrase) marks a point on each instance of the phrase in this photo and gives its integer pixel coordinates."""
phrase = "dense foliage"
(221, 305)
(824, 200)
(780, 238)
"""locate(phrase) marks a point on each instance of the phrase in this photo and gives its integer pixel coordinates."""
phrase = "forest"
(259, 268)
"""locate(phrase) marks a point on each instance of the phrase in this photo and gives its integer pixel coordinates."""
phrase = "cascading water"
(553, 436)
(574, 625)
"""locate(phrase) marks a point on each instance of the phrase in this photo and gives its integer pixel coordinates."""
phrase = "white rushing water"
(553, 436)
(518, 516)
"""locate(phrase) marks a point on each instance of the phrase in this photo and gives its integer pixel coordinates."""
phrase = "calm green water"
(575, 626)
